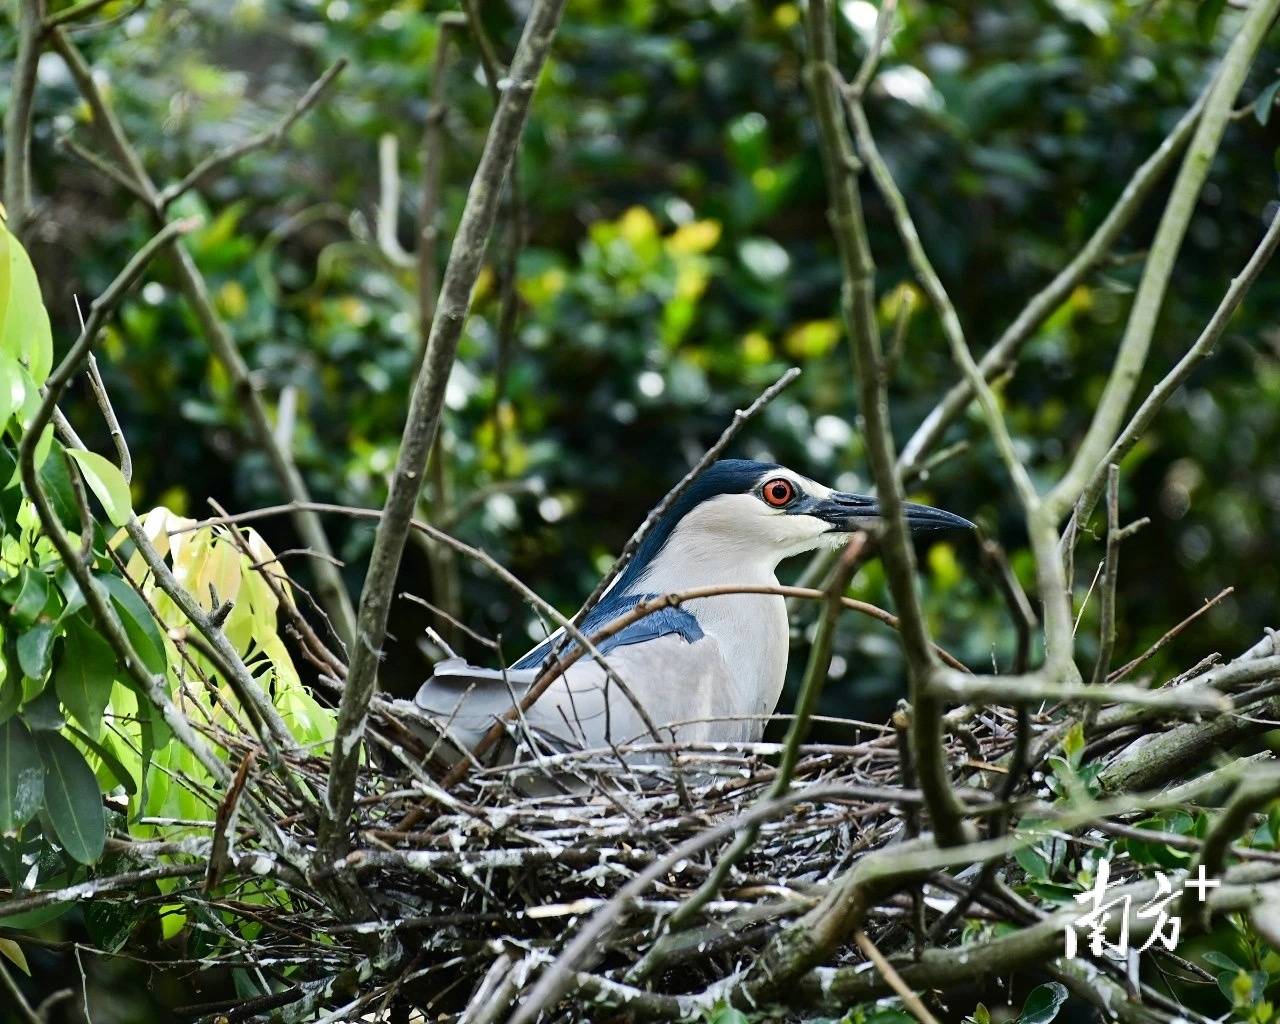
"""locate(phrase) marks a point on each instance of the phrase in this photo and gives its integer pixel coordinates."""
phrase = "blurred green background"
(676, 261)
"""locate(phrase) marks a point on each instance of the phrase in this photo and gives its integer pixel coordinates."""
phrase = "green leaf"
(141, 628)
(43, 713)
(21, 776)
(723, 1014)
(1073, 744)
(72, 799)
(35, 918)
(1043, 1004)
(1221, 960)
(1032, 862)
(85, 676)
(109, 760)
(28, 592)
(35, 648)
(1265, 101)
(12, 390)
(24, 323)
(107, 483)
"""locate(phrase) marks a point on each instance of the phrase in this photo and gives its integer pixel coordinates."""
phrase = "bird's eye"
(778, 492)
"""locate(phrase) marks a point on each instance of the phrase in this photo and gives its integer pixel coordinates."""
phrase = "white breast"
(707, 549)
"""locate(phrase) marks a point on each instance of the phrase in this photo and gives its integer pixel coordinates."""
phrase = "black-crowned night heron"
(713, 668)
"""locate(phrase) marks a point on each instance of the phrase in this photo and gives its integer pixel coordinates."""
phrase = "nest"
(487, 880)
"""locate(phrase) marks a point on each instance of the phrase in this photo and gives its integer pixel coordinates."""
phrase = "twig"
(104, 167)
(17, 120)
(871, 61)
(82, 506)
(388, 209)
(1111, 565)
(740, 419)
(1015, 599)
(195, 289)
(19, 1000)
(859, 307)
(894, 980)
(73, 13)
(1169, 637)
(424, 411)
(1102, 432)
(109, 414)
(1205, 345)
(1006, 348)
(457, 624)
(268, 139)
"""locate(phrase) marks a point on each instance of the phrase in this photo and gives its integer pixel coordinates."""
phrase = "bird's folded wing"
(466, 699)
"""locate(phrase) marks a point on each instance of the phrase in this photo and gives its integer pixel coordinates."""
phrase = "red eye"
(778, 492)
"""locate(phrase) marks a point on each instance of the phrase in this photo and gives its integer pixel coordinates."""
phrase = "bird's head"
(760, 513)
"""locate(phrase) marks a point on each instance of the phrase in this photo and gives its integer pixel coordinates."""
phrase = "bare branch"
(268, 139)
(17, 120)
(1169, 636)
(894, 980)
(1136, 341)
(109, 414)
(195, 289)
(73, 13)
(1004, 351)
(424, 408)
(841, 168)
(871, 61)
(25, 1010)
(1205, 345)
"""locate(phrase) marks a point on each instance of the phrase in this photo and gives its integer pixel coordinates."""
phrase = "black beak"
(849, 512)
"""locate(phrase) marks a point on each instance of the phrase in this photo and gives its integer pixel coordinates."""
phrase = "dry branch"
(425, 405)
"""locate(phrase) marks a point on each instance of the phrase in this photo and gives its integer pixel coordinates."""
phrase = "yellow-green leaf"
(11, 951)
(24, 323)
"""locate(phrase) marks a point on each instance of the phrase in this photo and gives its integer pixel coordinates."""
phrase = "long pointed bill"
(849, 512)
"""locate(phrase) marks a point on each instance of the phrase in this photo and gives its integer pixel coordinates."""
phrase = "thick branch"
(841, 167)
(17, 121)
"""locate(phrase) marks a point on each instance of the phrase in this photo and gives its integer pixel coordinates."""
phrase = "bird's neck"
(751, 629)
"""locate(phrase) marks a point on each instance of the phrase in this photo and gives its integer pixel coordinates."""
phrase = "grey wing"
(463, 701)
(684, 687)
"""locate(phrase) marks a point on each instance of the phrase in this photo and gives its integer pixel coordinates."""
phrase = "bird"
(710, 670)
